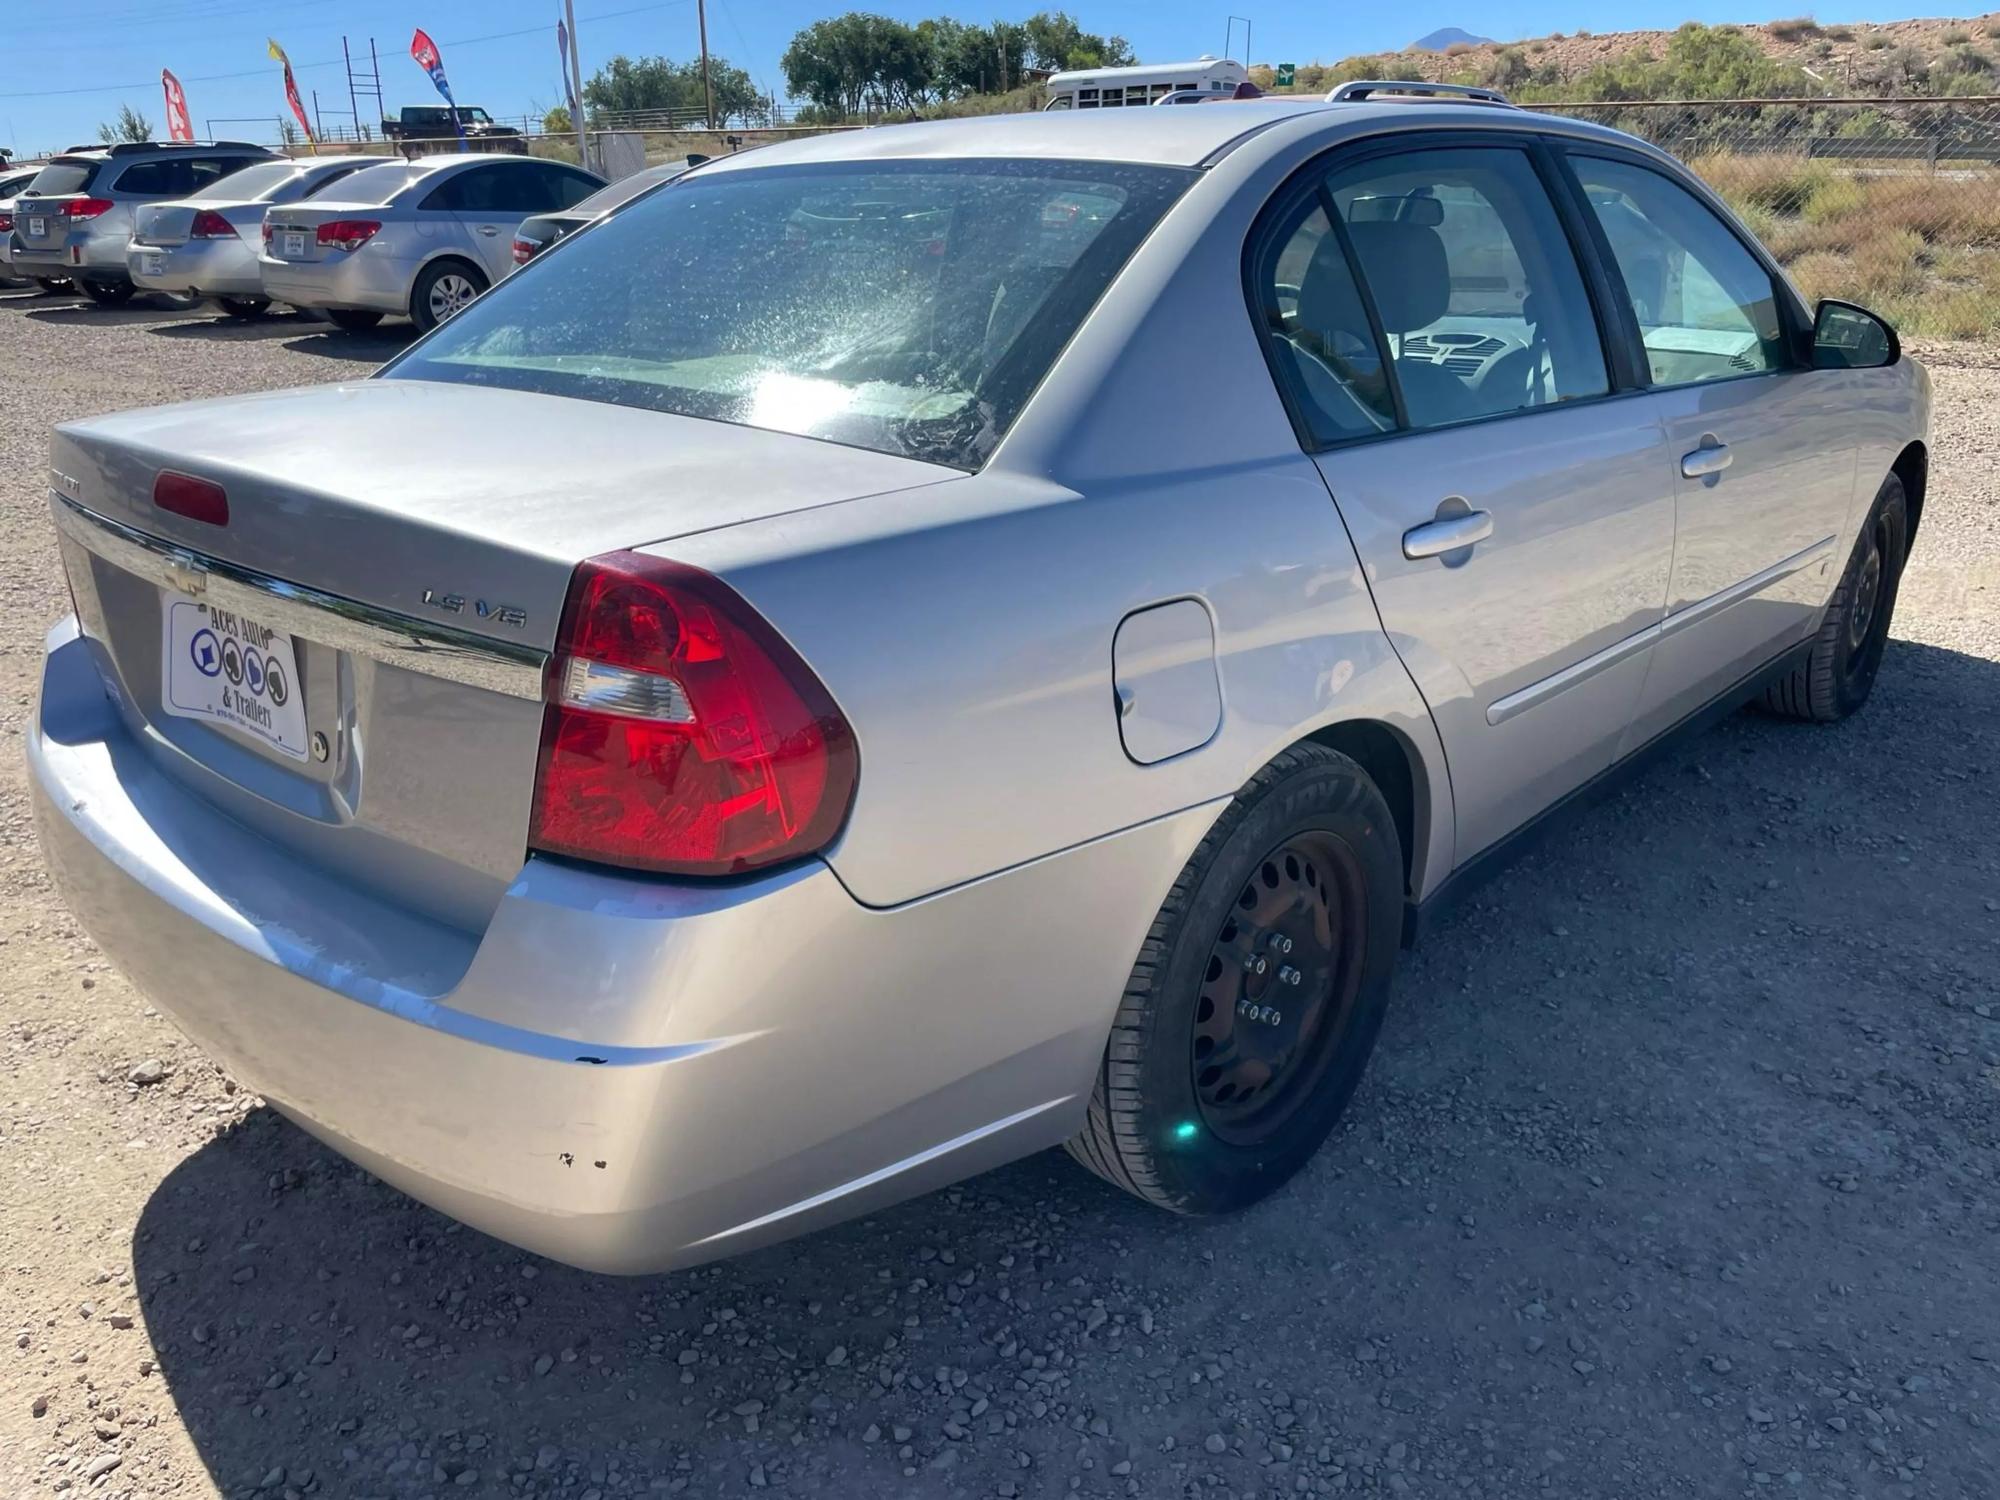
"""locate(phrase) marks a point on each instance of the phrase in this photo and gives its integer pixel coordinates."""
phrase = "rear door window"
(165, 177)
(1473, 281)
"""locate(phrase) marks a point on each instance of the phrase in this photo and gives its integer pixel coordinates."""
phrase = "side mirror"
(1846, 337)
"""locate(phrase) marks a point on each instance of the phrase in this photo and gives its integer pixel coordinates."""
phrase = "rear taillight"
(87, 208)
(6, 223)
(267, 234)
(210, 225)
(683, 735)
(347, 234)
(197, 499)
(524, 250)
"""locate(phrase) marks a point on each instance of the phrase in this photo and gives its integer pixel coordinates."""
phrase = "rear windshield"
(248, 185)
(377, 184)
(61, 177)
(907, 307)
(625, 189)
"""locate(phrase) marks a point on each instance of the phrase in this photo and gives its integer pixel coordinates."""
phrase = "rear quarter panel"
(966, 630)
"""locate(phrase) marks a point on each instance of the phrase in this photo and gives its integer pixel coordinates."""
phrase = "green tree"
(627, 84)
(1056, 42)
(558, 122)
(129, 126)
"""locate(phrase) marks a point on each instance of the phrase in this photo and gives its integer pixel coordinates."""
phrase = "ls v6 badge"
(455, 604)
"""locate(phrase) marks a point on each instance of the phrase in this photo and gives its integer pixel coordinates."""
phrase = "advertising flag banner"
(179, 126)
(569, 83)
(292, 95)
(425, 51)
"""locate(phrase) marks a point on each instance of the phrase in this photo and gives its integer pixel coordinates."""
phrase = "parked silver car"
(422, 237)
(208, 245)
(75, 220)
(914, 646)
(542, 231)
(11, 182)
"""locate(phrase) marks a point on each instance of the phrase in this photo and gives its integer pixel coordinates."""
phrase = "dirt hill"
(1943, 54)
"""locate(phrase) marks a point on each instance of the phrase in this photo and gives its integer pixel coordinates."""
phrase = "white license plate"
(295, 245)
(38, 227)
(152, 265)
(224, 667)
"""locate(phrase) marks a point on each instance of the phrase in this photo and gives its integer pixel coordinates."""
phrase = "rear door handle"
(1434, 538)
(1709, 458)
(487, 229)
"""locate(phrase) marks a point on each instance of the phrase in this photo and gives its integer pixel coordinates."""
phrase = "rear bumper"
(83, 255)
(205, 268)
(625, 1074)
(365, 280)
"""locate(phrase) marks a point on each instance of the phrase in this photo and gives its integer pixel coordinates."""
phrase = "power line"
(334, 62)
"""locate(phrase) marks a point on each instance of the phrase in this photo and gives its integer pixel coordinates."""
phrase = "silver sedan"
(916, 646)
(422, 237)
(208, 245)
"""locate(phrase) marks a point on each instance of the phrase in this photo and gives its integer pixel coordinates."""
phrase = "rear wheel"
(443, 290)
(109, 293)
(1847, 653)
(54, 285)
(353, 319)
(1257, 995)
(244, 307)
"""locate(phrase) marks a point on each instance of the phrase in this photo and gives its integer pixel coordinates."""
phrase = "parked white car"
(422, 237)
(207, 245)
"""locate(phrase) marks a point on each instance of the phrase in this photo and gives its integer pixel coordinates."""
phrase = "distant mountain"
(1448, 36)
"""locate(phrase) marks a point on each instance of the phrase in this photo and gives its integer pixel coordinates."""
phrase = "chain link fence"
(1892, 203)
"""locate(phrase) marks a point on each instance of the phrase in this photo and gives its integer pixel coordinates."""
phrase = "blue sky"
(112, 50)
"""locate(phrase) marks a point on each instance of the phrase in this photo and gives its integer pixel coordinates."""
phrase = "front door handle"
(1448, 534)
(487, 229)
(1710, 458)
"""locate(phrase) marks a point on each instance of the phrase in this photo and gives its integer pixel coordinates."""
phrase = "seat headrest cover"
(1406, 270)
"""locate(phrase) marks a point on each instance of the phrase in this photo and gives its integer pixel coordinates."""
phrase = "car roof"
(1188, 136)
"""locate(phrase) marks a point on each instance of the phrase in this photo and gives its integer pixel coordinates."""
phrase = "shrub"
(1838, 33)
(1874, 42)
(1956, 37)
(1777, 184)
(1795, 29)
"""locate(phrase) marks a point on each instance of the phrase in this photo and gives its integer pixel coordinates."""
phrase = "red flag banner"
(179, 126)
(292, 95)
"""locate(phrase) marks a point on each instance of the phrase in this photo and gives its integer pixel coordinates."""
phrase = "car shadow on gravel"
(1675, 1161)
(374, 347)
(89, 314)
(239, 330)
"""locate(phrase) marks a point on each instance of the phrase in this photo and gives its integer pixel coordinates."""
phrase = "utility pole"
(576, 86)
(707, 88)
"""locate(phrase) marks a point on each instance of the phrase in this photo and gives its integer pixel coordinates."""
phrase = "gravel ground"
(1674, 1174)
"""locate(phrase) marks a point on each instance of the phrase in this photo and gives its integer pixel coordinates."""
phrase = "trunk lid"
(351, 664)
(169, 223)
(294, 227)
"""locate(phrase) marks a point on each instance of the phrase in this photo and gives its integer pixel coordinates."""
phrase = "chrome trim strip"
(1516, 703)
(328, 619)
(1736, 593)
(1536, 693)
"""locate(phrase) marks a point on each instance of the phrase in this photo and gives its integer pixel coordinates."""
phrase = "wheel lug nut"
(1255, 964)
(1289, 974)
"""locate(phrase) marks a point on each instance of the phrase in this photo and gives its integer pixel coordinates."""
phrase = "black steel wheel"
(109, 293)
(244, 308)
(1847, 653)
(1257, 995)
(1281, 981)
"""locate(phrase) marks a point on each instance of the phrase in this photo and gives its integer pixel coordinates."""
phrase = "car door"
(1509, 499)
(1763, 455)
(491, 201)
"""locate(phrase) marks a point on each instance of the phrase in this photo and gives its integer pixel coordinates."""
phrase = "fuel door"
(1163, 680)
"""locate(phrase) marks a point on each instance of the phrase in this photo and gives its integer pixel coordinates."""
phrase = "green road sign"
(1285, 72)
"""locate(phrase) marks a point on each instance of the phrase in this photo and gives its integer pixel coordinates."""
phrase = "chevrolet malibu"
(801, 694)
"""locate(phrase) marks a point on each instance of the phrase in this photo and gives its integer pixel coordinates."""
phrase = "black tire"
(353, 319)
(1155, 1127)
(109, 293)
(55, 286)
(245, 308)
(427, 294)
(1847, 652)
